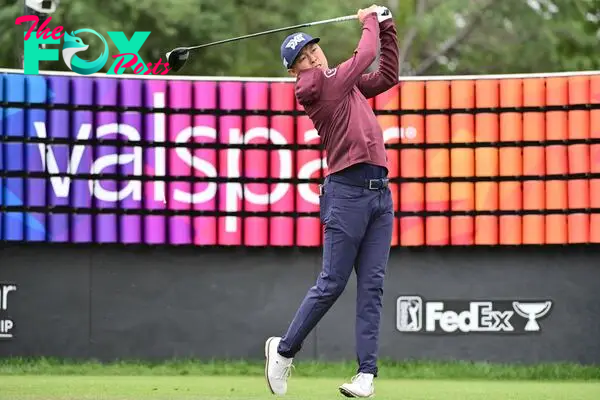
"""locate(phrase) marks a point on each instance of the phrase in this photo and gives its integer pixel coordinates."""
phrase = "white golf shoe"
(277, 367)
(361, 385)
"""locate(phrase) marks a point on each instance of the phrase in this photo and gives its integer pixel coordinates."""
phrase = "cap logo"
(294, 41)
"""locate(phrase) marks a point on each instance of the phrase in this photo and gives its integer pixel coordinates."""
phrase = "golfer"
(356, 206)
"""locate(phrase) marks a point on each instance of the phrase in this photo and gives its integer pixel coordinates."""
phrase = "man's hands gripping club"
(383, 13)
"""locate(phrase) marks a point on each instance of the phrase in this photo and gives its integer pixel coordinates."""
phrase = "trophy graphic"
(532, 311)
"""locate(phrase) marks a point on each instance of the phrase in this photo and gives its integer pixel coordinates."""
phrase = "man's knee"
(371, 279)
(372, 290)
(330, 287)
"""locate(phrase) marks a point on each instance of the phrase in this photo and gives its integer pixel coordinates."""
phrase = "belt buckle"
(383, 183)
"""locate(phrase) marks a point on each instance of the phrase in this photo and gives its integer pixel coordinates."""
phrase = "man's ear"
(292, 72)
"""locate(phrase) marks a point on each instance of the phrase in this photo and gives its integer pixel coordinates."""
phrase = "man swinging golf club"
(356, 204)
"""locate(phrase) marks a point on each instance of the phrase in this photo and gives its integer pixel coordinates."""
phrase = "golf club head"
(177, 58)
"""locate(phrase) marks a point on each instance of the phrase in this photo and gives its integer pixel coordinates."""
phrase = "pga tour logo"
(6, 323)
(415, 315)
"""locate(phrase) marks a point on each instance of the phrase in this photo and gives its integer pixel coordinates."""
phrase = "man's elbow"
(390, 70)
(391, 79)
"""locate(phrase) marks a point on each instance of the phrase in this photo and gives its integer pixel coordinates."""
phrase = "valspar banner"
(57, 186)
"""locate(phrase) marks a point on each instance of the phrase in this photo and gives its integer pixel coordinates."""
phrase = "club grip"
(331, 20)
(345, 18)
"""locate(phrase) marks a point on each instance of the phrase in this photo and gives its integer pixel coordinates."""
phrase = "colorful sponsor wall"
(506, 161)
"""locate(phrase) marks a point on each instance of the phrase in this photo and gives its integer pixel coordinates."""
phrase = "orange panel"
(462, 163)
(579, 160)
(595, 159)
(534, 162)
(486, 162)
(556, 161)
(511, 162)
(412, 164)
(437, 163)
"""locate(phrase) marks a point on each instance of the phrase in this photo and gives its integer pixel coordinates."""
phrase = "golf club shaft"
(325, 21)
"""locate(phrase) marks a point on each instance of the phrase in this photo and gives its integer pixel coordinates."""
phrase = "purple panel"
(55, 158)
(34, 195)
(82, 128)
(133, 164)
(178, 192)
(105, 191)
(3, 193)
(13, 223)
(155, 164)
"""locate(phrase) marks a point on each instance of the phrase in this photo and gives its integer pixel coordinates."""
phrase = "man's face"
(311, 56)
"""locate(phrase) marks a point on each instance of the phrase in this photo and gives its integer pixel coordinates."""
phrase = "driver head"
(177, 58)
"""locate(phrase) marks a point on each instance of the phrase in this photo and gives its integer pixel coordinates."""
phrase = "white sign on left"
(6, 323)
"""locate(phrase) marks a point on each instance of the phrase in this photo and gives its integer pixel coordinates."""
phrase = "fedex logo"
(480, 317)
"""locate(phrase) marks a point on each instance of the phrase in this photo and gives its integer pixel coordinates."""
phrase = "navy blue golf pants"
(358, 232)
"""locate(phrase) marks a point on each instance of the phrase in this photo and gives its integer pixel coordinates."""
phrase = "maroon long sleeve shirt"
(336, 99)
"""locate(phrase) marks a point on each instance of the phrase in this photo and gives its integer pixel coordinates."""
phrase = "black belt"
(371, 184)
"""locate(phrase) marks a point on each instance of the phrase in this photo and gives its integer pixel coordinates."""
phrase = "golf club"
(178, 57)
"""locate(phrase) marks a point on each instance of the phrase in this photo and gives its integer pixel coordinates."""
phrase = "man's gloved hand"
(383, 13)
(364, 12)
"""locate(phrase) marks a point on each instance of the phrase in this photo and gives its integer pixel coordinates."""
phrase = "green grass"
(388, 369)
(254, 388)
(53, 379)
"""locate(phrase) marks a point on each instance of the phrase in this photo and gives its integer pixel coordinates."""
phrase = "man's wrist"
(370, 16)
